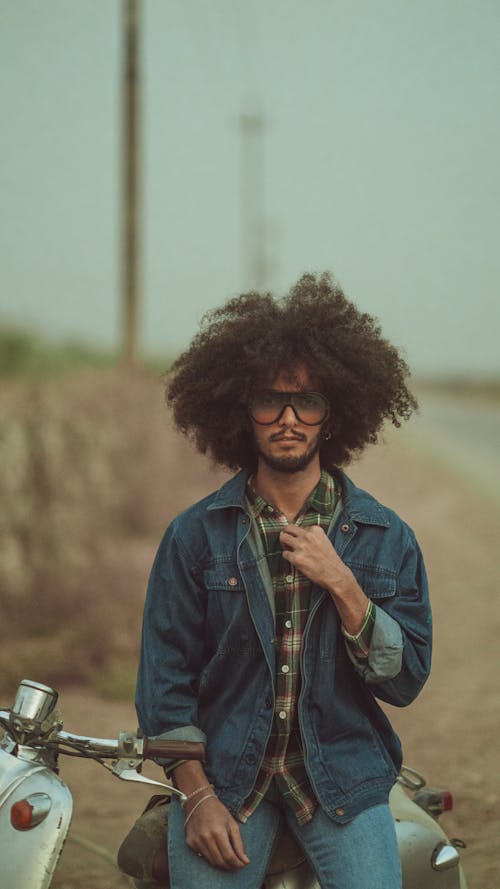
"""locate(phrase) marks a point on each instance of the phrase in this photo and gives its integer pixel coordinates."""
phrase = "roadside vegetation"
(24, 354)
(88, 480)
(482, 388)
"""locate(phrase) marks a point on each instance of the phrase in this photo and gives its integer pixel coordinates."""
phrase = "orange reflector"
(21, 815)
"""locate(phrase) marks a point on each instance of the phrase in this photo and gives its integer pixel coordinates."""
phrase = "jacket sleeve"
(399, 658)
(172, 648)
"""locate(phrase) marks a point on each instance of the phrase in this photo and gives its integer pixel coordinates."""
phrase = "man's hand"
(311, 551)
(212, 832)
(313, 554)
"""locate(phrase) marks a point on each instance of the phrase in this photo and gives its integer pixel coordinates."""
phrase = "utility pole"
(130, 183)
(254, 259)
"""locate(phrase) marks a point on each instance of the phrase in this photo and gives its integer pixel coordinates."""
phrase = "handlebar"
(128, 744)
(161, 749)
(98, 746)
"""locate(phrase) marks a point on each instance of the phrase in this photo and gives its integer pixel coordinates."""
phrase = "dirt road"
(450, 733)
(464, 431)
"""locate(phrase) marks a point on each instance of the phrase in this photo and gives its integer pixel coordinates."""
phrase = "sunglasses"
(267, 406)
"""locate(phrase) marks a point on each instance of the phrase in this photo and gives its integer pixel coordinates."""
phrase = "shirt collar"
(321, 500)
(359, 506)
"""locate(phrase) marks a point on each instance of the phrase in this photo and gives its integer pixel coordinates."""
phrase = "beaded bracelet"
(195, 792)
(200, 801)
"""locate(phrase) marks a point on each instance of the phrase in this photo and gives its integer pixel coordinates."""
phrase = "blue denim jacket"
(207, 668)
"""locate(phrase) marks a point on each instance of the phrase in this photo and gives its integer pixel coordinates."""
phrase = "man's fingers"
(208, 848)
(293, 534)
(231, 861)
(292, 531)
(297, 531)
(219, 851)
(237, 842)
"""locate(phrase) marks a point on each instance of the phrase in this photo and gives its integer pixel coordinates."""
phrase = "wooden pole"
(254, 261)
(130, 184)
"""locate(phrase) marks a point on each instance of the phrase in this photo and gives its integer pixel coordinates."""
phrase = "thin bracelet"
(200, 801)
(368, 614)
(194, 792)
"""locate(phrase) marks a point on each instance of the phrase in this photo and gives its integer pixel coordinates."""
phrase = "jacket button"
(345, 528)
(250, 758)
(233, 581)
(340, 811)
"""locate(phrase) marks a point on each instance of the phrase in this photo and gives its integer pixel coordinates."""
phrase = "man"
(280, 607)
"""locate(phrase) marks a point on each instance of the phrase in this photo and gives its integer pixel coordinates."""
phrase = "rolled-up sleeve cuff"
(183, 733)
(385, 655)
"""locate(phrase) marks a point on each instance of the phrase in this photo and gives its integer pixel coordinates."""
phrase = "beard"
(289, 463)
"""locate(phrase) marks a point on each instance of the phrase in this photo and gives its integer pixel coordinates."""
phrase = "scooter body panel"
(419, 835)
(28, 858)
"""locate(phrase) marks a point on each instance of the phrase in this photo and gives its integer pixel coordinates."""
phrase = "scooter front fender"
(28, 857)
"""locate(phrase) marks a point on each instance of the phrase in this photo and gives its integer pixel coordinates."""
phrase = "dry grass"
(87, 484)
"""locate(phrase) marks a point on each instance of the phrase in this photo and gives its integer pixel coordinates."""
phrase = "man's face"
(288, 445)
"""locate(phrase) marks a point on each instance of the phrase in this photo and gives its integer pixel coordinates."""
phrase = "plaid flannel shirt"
(284, 757)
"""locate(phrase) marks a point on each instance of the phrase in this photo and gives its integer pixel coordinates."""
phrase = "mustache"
(279, 436)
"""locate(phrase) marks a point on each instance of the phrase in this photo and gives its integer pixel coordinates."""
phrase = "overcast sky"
(381, 164)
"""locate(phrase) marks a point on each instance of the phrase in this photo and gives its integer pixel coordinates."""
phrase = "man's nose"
(288, 417)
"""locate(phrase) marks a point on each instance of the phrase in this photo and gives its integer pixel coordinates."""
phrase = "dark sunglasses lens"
(311, 408)
(266, 407)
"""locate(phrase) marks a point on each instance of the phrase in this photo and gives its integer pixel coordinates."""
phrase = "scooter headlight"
(30, 811)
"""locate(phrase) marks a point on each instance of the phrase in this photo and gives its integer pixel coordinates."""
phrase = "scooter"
(36, 806)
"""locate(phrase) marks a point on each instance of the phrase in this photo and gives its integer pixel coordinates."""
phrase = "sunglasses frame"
(289, 403)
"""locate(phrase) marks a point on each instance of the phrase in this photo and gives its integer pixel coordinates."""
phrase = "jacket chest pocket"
(227, 612)
(226, 599)
(376, 583)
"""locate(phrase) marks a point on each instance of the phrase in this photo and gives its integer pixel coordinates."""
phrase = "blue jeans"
(362, 854)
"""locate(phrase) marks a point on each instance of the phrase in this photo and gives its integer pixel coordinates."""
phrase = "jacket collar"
(358, 504)
(232, 492)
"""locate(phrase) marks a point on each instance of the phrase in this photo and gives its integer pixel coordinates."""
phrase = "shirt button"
(345, 528)
(270, 509)
(285, 668)
(288, 624)
(282, 714)
(289, 578)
